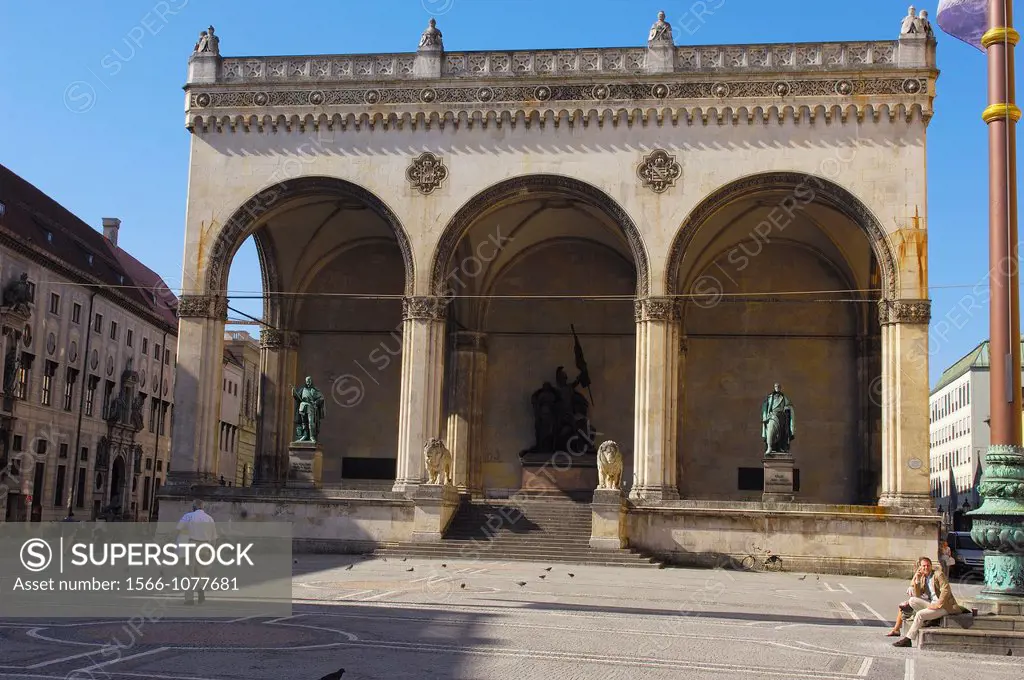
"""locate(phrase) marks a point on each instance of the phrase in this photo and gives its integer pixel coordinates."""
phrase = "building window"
(108, 391)
(153, 404)
(113, 330)
(149, 464)
(58, 494)
(16, 443)
(156, 352)
(163, 417)
(24, 375)
(84, 456)
(167, 357)
(159, 466)
(80, 491)
(69, 388)
(97, 323)
(49, 369)
(63, 450)
(145, 345)
(90, 394)
(76, 313)
(54, 304)
(41, 446)
(128, 338)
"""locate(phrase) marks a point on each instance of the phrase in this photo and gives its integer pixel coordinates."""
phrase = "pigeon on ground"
(548, 569)
(411, 569)
(543, 576)
(463, 585)
(404, 559)
(520, 583)
(802, 577)
(444, 566)
(817, 577)
(349, 567)
(572, 575)
(335, 675)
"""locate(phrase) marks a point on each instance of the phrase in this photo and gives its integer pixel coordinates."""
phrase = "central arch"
(537, 186)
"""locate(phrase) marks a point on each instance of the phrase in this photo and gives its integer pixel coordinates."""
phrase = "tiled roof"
(38, 226)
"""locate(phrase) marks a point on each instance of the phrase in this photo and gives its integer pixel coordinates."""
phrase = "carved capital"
(427, 308)
(904, 311)
(272, 338)
(656, 309)
(470, 341)
(202, 307)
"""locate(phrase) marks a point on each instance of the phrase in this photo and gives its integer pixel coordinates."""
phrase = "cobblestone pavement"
(421, 619)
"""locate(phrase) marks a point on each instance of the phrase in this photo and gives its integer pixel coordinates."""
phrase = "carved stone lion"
(439, 462)
(609, 466)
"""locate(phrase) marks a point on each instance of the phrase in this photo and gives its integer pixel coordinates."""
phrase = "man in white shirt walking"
(196, 527)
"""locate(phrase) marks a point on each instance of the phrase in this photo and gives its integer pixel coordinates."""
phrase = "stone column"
(278, 358)
(422, 391)
(657, 375)
(197, 389)
(905, 403)
(465, 409)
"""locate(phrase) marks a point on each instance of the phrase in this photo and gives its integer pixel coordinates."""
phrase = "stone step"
(594, 559)
(990, 622)
(997, 642)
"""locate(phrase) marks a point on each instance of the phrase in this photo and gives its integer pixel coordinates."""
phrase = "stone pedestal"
(778, 479)
(661, 58)
(558, 473)
(305, 465)
(608, 511)
(435, 505)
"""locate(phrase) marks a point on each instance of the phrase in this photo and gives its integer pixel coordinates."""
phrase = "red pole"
(1004, 315)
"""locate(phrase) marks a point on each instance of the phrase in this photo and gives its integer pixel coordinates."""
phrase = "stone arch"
(807, 189)
(527, 186)
(244, 219)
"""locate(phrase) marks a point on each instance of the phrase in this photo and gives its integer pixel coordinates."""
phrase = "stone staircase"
(541, 529)
(999, 631)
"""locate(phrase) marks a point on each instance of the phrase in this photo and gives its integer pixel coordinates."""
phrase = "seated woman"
(931, 598)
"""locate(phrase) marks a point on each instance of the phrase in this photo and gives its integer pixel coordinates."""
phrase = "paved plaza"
(422, 619)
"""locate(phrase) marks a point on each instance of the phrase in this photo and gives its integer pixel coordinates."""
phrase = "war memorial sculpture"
(619, 197)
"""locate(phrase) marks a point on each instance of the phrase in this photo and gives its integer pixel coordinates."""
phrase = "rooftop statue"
(18, 294)
(208, 43)
(431, 38)
(661, 31)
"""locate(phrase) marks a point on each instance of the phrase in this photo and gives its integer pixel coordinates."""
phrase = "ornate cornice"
(202, 307)
(725, 101)
(272, 338)
(426, 308)
(656, 309)
(904, 311)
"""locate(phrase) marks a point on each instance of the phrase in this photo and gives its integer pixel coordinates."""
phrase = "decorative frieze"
(656, 309)
(904, 311)
(659, 171)
(574, 62)
(202, 307)
(272, 338)
(426, 308)
(426, 172)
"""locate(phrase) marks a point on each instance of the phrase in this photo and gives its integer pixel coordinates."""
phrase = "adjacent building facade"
(89, 336)
(243, 351)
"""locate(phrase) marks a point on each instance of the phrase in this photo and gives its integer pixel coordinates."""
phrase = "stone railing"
(566, 63)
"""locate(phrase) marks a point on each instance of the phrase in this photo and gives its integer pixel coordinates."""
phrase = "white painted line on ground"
(853, 614)
(355, 594)
(283, 618)
(845, 588)
(43, 664)
(381, 595)
(245, 618)
(877, 615)
(121, 659)
(908, 673)
(828, 587)
(478, 571)
(865, 667)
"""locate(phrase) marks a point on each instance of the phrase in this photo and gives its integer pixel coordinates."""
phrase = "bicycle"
(769, 563)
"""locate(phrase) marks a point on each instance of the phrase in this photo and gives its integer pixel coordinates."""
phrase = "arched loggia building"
(709, 220)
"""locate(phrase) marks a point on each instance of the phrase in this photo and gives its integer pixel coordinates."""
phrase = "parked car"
(967, 554)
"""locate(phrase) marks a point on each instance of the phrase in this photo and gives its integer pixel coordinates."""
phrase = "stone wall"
(867, 541)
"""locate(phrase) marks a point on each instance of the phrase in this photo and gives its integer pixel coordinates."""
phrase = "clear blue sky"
(126, 154)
